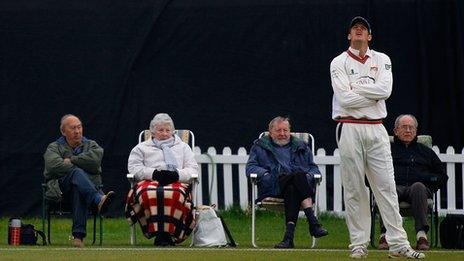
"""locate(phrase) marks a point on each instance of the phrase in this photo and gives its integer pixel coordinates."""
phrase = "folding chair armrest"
(194, 183)
(131, 178)
(253, 178)
(194, 177)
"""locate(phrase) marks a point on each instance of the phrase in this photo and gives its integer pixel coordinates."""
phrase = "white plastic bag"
(208, 231)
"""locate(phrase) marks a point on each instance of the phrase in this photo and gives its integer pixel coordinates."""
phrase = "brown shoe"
(105, 201)
(77, 242)
(422, 244)
(383, 245)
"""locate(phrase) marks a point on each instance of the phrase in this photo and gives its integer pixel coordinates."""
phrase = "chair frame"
(405, 207)
(276, 204)
(47, 212)
(186, 136)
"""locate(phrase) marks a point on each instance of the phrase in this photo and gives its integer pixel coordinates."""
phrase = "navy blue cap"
(361, 20)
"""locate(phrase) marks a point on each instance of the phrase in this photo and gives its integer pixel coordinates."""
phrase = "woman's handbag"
(210, 230)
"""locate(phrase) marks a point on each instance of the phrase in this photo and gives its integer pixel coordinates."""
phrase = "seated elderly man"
(285, 169)
(161, 200)
(73, 168)
(418, 173)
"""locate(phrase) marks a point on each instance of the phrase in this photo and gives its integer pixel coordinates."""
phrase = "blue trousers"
(83, 194)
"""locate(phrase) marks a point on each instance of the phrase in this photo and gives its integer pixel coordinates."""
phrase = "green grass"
(270, 228)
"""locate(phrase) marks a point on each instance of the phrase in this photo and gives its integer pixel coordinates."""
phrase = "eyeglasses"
(407, 127)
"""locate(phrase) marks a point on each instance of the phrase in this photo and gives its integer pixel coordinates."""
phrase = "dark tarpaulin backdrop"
(220, 68)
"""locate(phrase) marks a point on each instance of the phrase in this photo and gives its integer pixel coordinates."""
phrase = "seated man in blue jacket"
(285, 169)
(418, 173)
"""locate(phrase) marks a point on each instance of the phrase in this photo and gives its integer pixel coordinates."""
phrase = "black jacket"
(417, 162)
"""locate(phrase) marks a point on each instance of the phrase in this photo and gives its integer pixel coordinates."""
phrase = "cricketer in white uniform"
(362, 81)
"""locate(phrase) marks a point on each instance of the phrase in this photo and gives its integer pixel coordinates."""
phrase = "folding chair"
(405, 207)
(187, 137)
(53, 208)
(277, 204)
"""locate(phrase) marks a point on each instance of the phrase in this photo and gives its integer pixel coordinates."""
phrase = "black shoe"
(164, 239)
(286, 243)
(318, 231)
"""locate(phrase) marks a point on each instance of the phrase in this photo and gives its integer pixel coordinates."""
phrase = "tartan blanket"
(161, 209)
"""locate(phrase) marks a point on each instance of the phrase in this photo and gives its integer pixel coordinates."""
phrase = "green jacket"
(89, 160)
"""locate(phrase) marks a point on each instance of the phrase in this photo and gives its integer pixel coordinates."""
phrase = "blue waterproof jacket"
(262, 159)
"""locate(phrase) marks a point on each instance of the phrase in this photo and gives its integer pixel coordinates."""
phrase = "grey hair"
(278, 119)
(161, 118)
(64, 118)
(397, 121)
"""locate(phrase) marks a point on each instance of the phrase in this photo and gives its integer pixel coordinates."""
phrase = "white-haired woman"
(161, 201)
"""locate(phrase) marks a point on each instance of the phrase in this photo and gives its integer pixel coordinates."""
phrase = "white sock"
(420, 234)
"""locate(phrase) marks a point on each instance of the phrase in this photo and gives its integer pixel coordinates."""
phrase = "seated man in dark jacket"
(418, 173)
(72, 168)
(285, 169)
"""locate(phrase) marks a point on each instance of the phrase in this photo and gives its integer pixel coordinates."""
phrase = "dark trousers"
(83, 193)
(416, 195)
(294, 188)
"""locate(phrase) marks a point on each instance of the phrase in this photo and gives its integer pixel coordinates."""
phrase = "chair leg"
(373, 213)
(316, 211)
(43, 214)
(253, 216)
(373, 228)
(101, 229)
(46, 218)
(133, 240)
(432, 227)
(434, 222)
(193, 192)
(48, 226)
(253, 225)
(94, 228)
(133, 237)
(436, 227)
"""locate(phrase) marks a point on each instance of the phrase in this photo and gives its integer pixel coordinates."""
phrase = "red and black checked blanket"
(157, 208)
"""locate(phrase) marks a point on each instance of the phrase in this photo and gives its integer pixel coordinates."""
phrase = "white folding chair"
(277, 204)
(186, 136)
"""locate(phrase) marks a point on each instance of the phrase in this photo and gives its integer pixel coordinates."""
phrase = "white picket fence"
(232, 171)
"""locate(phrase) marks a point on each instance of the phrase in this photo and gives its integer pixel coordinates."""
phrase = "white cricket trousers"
(365, 152)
